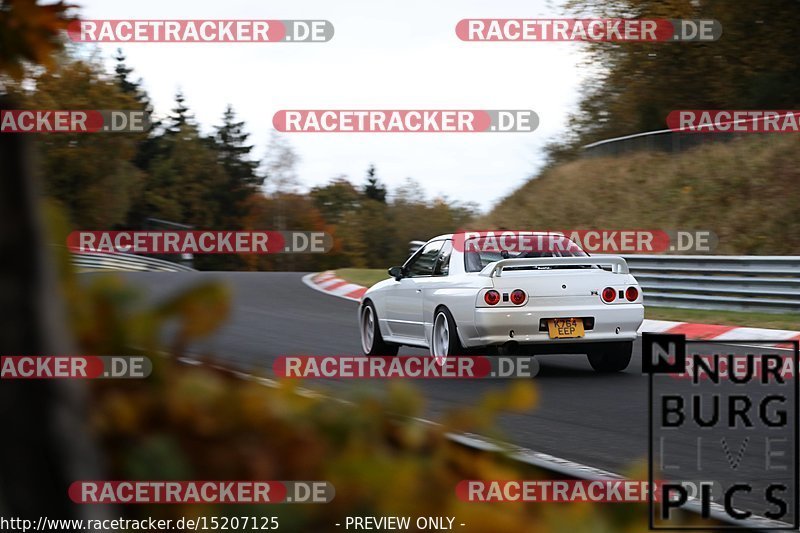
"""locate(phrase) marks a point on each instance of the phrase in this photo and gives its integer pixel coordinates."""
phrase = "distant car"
(457, 299)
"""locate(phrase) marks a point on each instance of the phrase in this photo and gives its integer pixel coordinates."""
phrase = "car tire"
(444, 336)
(611, 357)
(372, 342)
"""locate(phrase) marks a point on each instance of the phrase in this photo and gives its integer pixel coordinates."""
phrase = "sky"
(384, 55)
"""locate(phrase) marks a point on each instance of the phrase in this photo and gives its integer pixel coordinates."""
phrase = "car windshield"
(480, 251)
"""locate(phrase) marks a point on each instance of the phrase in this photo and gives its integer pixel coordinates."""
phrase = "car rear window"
(480, 251)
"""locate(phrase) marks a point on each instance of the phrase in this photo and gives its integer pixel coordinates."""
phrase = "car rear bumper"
(497, 326)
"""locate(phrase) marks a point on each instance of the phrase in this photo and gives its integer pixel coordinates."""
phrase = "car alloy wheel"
(367, 328)
(441, 337)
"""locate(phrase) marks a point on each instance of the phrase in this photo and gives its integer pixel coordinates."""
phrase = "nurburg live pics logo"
(732, 437)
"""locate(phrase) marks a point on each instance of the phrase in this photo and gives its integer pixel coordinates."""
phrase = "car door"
(429, 286)
(404, 301)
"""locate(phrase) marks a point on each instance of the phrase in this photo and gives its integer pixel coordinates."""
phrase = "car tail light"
(632, 293)
(491, 297)
(609, 294)
(518, 297)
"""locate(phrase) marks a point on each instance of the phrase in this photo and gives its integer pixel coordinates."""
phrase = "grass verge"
(731, 318)
(719, 187)
(362, 276)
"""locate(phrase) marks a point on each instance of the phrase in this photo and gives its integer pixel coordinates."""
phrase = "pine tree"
(374, 190)
(121, 73)
(179, 116)
(233, 154)
(149, 147)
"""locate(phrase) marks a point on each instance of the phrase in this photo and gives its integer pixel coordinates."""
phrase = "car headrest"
(473, 262)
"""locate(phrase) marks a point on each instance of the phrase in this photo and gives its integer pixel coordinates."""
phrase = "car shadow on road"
(577, 367)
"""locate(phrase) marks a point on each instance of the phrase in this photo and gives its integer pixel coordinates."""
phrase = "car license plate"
(565, 328)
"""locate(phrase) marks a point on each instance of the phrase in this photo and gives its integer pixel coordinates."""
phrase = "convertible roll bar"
(618, 264)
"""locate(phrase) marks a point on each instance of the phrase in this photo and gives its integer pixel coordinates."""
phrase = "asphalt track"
(585, 417)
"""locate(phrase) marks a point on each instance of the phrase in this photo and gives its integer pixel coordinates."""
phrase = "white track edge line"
(520, 454)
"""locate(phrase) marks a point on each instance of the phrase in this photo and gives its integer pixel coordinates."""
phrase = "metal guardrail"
(668, 140)
(658, 141)
(128, 262)
(715, 282)
(735, 283)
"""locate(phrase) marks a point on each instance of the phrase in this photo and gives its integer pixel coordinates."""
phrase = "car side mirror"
(397, 273)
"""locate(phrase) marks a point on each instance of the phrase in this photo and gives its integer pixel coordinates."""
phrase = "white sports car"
(453, 298)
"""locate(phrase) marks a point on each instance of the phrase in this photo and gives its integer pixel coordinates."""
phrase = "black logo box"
(676, 364)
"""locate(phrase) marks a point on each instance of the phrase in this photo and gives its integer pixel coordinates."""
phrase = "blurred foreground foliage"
(197, 422)
(30, 33)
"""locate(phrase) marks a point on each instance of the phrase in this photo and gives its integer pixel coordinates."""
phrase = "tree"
(150, 146)
(185, 180)
(281, 165)
(634, 86)
(415, 217)
(373, 189)
(298, 213)
(121, 73)
(185, 175)
(96, 188)
(370, 233)
(180, 115)
(336, 199)
(30, 33)
(241, 177)
(410, 192)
